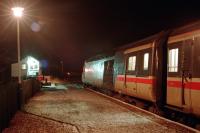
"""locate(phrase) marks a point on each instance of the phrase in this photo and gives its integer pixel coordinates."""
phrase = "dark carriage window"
(196, 58)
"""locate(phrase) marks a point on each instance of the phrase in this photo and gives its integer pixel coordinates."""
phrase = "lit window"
(173, 60)
(146, 61)
(23, 66)
(131, 63)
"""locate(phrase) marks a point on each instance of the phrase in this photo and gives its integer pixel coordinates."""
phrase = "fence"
(28, 89)
(9, 103)
(13, 97)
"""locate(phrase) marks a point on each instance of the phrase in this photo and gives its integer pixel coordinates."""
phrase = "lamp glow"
(18, 11)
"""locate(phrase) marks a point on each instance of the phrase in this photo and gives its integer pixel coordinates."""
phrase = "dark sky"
(73, 30)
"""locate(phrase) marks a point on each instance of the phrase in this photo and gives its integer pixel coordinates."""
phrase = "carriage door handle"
(189, 75)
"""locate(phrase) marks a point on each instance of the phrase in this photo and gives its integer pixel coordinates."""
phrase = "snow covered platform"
(81, 110)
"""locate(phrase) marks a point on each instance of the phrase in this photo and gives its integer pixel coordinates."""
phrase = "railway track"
(142, 112)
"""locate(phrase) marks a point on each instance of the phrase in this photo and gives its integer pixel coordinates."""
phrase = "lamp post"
(18, 13)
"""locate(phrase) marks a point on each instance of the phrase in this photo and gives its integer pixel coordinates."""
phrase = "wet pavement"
(83, 111)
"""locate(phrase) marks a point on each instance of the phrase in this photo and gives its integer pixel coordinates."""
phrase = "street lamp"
(18, 13)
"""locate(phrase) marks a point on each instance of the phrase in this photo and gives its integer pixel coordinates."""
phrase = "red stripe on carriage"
(120, 78)
(188, 85)
(138, 80)
(128, 79)
(195, 85)
(145, 81)
(174, 84)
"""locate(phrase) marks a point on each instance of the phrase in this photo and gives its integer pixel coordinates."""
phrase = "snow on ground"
(91, 113)
(69, 108)
(27, 123)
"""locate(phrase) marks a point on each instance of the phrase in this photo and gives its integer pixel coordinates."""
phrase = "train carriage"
(163, 69)
(137, 78)
(98, 71)
(183, 84)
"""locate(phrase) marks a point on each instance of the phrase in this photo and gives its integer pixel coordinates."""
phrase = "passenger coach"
(163, 70)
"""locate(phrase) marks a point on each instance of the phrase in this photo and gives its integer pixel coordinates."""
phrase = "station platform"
(79, 110)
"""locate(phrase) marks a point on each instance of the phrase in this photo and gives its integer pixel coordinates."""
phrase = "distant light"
(88, 70)
(23, 66)
(68, 73)
(18, 11)
(35, 27)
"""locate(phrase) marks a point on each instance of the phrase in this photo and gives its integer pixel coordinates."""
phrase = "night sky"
(74, 30)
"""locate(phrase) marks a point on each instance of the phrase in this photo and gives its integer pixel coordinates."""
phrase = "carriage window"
(146, 61)
(131, 63)
(173, 60)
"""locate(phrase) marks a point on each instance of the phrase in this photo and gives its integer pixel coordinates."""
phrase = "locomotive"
(163, 70)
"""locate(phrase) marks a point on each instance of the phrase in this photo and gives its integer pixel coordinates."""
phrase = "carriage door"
(108, 74)
(179, 73)
(131, 72)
